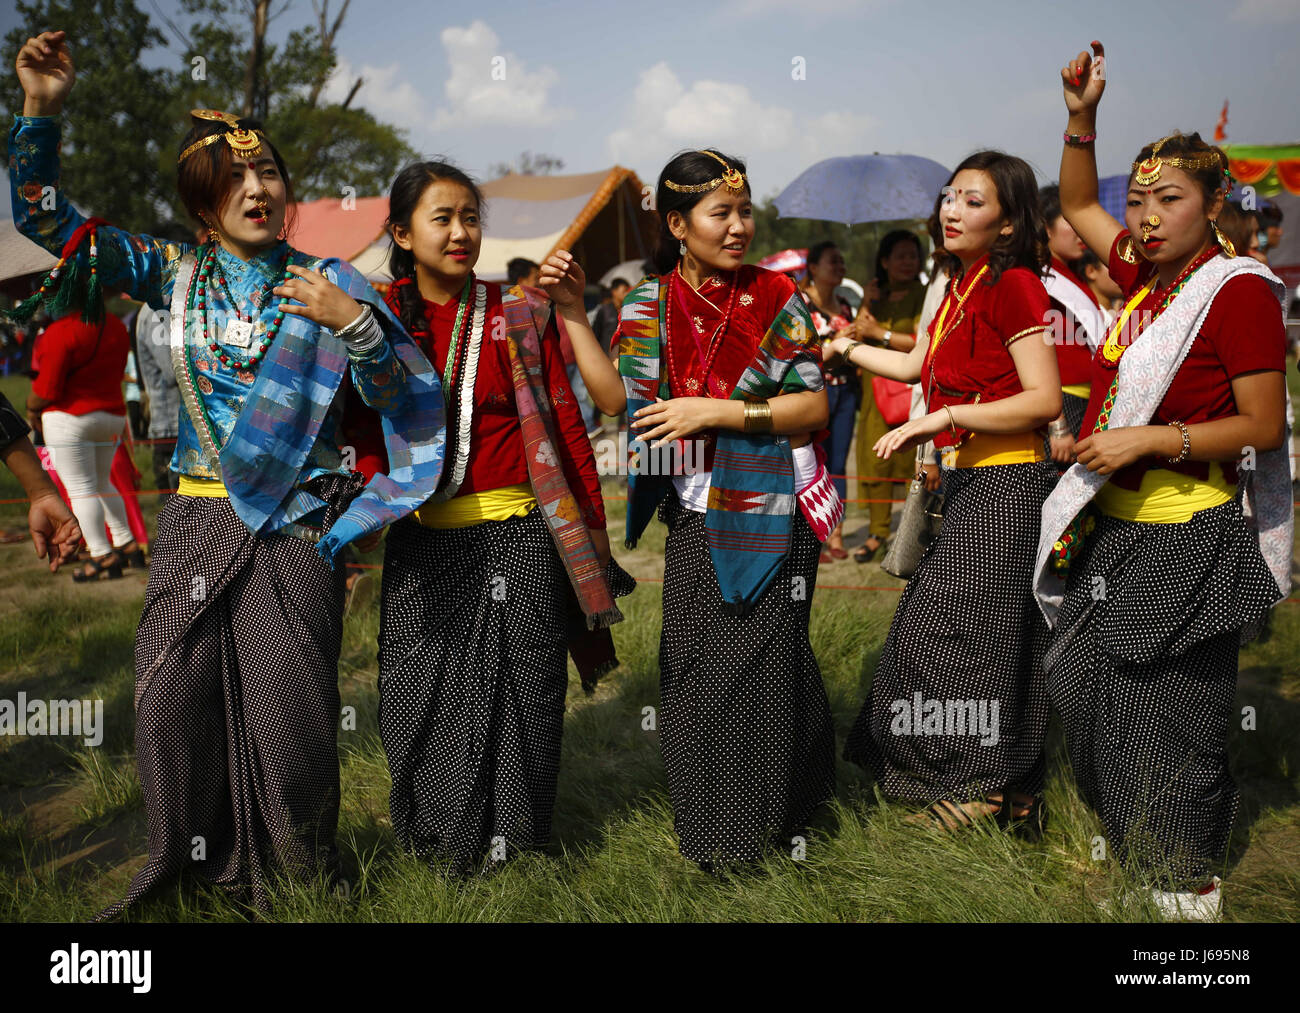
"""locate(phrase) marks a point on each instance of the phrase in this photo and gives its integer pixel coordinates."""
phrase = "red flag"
(1221, 128)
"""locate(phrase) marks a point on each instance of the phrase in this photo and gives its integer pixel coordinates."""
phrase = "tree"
(123, 123)
(327, 145)
(528, 164)
(114, 122)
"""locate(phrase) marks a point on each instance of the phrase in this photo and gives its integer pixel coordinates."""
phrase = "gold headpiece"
(245, 143)
(1148, 171)
(732, 178)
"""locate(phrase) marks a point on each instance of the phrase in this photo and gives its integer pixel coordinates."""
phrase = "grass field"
(72, 828)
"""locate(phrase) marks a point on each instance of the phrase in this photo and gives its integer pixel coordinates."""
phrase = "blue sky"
(600, 83)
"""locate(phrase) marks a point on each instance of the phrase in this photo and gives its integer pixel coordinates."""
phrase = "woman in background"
(887, 318)
(831, 314)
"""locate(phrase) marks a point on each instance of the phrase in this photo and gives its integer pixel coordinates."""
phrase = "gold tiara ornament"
(1148, 170)
(731, 178)
(244, 143)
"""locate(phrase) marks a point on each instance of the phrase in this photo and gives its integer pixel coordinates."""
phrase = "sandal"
(864, 553)
(135, 559)
(105, 568)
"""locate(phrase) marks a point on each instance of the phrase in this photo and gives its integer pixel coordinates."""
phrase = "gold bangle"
(758, 417)
(1187, 443)
(952, 423)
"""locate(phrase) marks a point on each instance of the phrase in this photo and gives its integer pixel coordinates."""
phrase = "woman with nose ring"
(723, 355)
(1147, 567)
(957, 714)
(236, 653)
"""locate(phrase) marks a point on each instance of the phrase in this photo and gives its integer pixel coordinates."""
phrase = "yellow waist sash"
(1082, 390)
(475, 508)
(1166, 497)
(984, 449)
(201, 487)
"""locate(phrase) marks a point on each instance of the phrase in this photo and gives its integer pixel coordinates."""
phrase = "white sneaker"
(1204, 905)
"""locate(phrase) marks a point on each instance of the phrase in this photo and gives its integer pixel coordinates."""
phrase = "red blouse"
(496, 437)
(973, 359)
(722, 325)
(1243, 333)
(1073, 356)
(80, 366)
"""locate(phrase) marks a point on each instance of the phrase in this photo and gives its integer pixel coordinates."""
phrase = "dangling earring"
(681, 247)
(1229, 250)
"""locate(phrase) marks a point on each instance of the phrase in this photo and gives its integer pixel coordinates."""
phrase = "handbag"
(893, 398)
(919, 525)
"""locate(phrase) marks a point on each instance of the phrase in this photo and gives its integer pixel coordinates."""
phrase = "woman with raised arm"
(506, 569)
(1164, 575)
(723, 354)
(236, 654)
(957, 713)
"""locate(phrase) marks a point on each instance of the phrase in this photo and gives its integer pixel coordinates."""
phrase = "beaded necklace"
(458, 379)
(210, 272)
(1066, 547)
(690, 384)
(1113, 350)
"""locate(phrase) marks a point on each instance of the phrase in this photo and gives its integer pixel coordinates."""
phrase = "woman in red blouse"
(721, 356)
(76, 402)
(503, 570)
(957, 713)
(1184, 422)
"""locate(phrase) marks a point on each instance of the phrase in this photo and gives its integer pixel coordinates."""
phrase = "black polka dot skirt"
(236, 700)
(472, 680)
(744, 723)
(1142, 668)
(958, 707)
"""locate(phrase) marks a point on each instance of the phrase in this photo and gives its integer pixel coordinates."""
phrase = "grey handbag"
(919, 525)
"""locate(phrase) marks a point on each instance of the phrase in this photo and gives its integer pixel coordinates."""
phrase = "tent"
(600, 216)
(19, 256)
(1269, 168)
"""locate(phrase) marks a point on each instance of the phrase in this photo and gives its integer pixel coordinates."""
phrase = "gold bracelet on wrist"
(1187, 443)
(758, 417)
(952, 423)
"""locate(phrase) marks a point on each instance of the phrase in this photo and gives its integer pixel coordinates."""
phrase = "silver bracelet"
(363, 334)
(1058, 428)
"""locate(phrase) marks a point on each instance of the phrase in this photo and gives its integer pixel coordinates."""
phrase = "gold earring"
(1229, 250)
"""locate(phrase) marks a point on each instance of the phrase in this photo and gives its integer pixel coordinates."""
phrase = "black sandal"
(134, 559)
(865, 554)
(107, 568)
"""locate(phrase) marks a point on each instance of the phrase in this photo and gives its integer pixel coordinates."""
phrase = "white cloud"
(489, 86)
(383, 92)
(667, 116)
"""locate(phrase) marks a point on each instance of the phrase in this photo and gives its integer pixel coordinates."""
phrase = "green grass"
(72, 825)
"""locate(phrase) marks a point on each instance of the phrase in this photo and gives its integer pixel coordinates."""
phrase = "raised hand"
(1084, 79)
(46, 73)
(563, 278)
